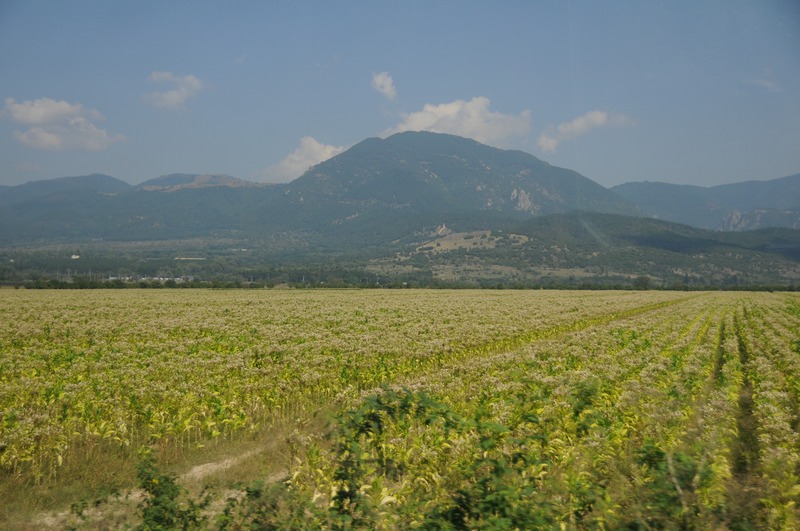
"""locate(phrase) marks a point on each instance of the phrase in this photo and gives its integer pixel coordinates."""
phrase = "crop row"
(679, 416)
(459, 409)
(85, 372)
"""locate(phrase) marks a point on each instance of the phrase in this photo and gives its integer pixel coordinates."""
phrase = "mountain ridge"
(429, 205)
(95, 182)
(736, 206)
(426, 172)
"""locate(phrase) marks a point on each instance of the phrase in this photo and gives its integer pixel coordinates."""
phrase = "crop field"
(452, 409)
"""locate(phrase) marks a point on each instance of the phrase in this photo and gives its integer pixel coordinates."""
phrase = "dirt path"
(118, 510)
(200, 472)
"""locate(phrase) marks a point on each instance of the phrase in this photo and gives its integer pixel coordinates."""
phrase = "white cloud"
(471, 119)
(47, 111)
(58, 125)
(383, 83)
(309, 153)
(553, 136)
(184, 87)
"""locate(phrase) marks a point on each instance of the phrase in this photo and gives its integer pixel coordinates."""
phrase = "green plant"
(162, 507)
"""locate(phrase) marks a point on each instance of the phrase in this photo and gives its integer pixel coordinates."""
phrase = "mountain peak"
(424, 171)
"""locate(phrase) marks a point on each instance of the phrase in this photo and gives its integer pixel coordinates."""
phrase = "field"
(449, 409)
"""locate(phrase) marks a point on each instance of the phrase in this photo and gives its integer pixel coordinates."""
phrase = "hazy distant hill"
(598, 233)
(46, 189)
(739, 206)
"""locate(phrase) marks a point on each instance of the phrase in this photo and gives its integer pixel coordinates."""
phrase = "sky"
(689, 92)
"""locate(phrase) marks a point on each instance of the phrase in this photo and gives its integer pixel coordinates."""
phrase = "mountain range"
(739, 206)
(376, 205)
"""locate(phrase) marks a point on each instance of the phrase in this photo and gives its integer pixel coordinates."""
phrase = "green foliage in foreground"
(162, 507)
(498, 482)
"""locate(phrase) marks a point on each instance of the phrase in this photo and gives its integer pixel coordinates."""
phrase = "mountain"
(50, 189)
(419, 206)
(97, 207)
(379, 190)
(383, 190)
(779, 194)
(66, 208)
(739, 206)
(427, 172)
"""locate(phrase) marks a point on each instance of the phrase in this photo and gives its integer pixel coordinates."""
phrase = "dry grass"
(106, 496)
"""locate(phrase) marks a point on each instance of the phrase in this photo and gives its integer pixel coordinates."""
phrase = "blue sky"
(697, 92)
